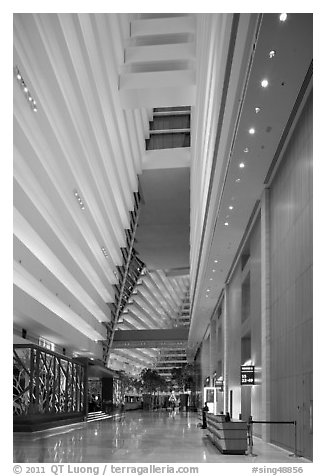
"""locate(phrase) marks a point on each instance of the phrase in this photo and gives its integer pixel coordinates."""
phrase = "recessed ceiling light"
(211, 279)
(230, 208)
(208, 290)
(226, 223)
(241, 165)
(283, 16)
(272, 54)
(215, 261)
(257, 110)
(264, 83)
(237, 180)
(251, 130)
(246, 150)
(213, 270)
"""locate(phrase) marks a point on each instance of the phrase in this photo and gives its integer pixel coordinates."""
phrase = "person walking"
(173, 400)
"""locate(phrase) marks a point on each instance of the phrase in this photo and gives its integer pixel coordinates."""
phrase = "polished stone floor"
(138, 437)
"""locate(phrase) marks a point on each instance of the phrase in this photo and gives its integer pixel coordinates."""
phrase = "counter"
(229, 437)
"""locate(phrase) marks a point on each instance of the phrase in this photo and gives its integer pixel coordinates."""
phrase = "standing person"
(205, 410)
(173, 400)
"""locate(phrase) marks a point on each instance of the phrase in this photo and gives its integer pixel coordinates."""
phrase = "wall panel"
(291, 288)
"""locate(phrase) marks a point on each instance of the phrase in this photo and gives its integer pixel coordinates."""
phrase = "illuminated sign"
(219, 383)
(247, 375)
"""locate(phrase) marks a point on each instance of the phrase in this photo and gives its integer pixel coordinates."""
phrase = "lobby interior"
(162, 218)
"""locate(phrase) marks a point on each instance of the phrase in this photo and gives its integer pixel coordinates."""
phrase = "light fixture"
(230, 208)
(241, 165)
(264, 83)
(215, 261)
(257, 110)
(25, 88)
(213, 270)
(237, 180)
(226, 223)
(246, 150)
(251, 130)
(283, 16)
(211, 279)
(79, 200)
(104, 251)
(272, 54)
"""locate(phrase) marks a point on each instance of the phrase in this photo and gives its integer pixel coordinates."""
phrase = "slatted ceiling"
(142, 318)
(152, 310)
(162, 283)
(132, 358)
(158, 293)
(165, 296)
(144, 291)
(141, 354)
(175, 292)
(139, 309)
(135, 321)
(61, 93)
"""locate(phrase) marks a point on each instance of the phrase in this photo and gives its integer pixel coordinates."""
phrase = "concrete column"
(213, 349)
(265, 313)
(225, 330)
(205, 360)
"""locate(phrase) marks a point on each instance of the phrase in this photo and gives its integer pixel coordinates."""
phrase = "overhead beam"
(150, 338)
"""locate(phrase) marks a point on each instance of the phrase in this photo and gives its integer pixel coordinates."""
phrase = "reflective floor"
(138, 437)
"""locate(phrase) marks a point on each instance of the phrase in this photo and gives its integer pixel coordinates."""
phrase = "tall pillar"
(265, 313)
(85, 401)
(226, 347)
(213, 349)
(205, 360)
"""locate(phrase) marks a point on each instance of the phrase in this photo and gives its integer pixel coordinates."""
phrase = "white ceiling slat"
(133, 319)
(146, 287)
(125, 127)
(133, 138)
(139, 317)
(52, 211)
(150, 310)
(169, 291)
(127, 357)
(72, 149)
(60, 282)
(119, 144)
(152, 281)
(34, 243)
(174, 291)
(144, 117)
(23, 280)
(139, 131)
(77, 55)
(143, 311)
(157, 308)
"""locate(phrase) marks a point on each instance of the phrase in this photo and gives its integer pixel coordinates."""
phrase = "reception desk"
(229, 437)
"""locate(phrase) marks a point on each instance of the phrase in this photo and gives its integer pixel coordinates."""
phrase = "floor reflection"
(150, 437)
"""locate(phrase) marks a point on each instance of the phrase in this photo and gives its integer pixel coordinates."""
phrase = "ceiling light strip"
(31, 101)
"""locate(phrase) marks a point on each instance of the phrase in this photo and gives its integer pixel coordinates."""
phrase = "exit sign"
(247, 375)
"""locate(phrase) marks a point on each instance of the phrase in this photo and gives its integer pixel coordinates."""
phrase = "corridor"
(139, 437)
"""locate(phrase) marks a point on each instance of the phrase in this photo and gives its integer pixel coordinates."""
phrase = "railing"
(46, 383)
(250, 433)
